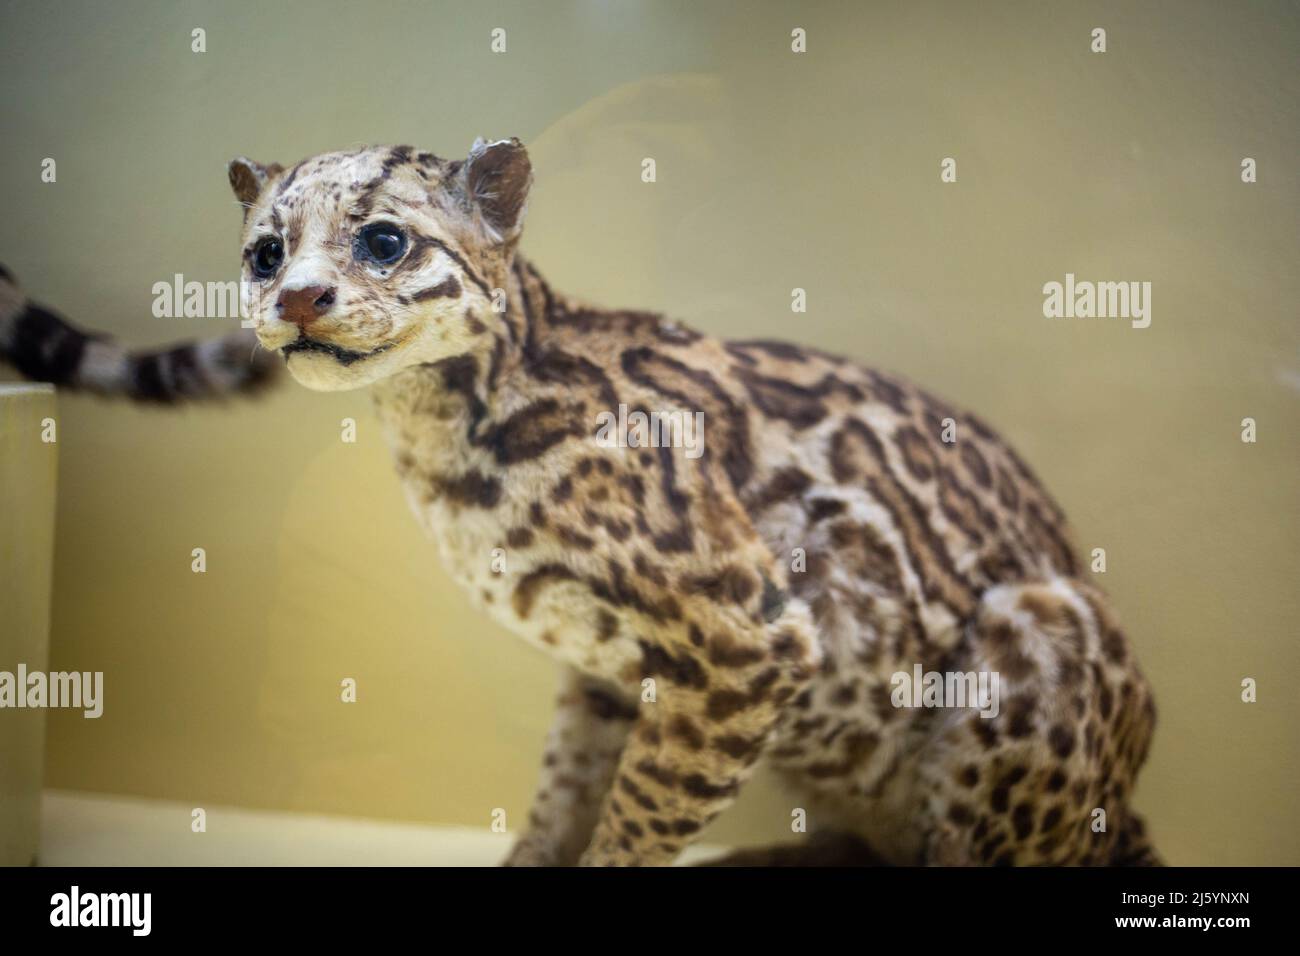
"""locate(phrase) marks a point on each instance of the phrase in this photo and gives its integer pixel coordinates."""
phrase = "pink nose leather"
(304, 306)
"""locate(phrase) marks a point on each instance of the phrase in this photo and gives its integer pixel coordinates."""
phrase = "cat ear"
(495, 178)
(248, 179)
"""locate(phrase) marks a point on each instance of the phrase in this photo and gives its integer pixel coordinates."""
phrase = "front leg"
(716, 703)
(591, 723)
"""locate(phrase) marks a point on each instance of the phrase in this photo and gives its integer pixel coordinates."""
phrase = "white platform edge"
(87, 829)
(25, 388)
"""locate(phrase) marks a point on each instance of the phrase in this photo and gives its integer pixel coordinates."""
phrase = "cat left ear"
(496, 178)
(249, 178)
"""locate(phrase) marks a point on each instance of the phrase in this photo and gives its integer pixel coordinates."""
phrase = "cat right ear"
(249, 178)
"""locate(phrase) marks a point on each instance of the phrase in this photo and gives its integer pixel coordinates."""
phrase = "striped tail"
(44, 347)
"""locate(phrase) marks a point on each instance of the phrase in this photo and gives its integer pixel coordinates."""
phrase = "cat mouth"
(341, 355)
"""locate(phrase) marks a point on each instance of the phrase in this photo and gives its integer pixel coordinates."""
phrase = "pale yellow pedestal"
(88, 829)
(27, 477)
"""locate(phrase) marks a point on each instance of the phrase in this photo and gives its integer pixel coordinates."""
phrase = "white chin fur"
(323, 373)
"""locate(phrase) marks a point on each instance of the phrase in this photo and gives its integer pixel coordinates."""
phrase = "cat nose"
(304, 306)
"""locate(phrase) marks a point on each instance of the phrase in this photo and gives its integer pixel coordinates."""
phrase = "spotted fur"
(631, 565)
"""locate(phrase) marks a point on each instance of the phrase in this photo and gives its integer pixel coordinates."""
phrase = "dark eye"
(382, 242)
(267, 256)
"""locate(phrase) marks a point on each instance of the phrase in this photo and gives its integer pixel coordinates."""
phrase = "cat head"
(359, 264)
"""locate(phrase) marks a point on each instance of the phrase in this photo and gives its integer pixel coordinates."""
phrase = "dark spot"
(661, 776)
(472, 489)
(606, 625)
(785, 484)
(740, 748)
(575, 539)
(1022, 818)
(608, 707)
(723, 703)
(774, 600)
(999, 799)
(684, 729)
(698, 786)
(1061, 739)
(819, 509)
(682, 669)
(726, 651)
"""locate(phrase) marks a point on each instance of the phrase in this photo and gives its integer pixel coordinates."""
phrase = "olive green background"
(775, 171)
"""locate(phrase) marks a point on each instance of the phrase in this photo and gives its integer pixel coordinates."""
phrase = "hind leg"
(1047, 780)
(1133, 847)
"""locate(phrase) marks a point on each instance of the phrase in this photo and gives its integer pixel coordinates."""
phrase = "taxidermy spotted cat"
(756, 601)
